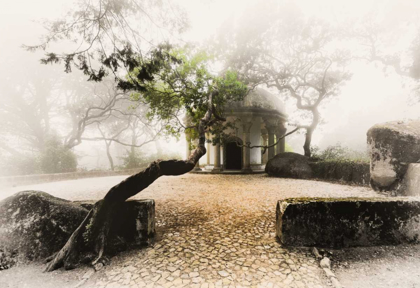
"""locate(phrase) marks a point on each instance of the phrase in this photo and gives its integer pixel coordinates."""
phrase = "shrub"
(338, 153)
(342, 170)
(56, 158)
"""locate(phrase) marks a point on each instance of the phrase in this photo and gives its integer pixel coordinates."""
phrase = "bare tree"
(127, 126)
(300, 57)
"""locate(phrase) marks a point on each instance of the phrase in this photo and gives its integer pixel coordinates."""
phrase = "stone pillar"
(264, 135)
(246, 165)
(255, 138)
(208, 148)
(271, 132)
(217, 167)
(188, 151)
(197, 165)
(281, 146)
(272, 125)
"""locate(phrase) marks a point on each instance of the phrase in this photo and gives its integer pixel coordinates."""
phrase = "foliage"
(288, 148)
(103, 33)
(25, 164)
(174, 81)
(56, 158)
(339, 153)
(340, 163)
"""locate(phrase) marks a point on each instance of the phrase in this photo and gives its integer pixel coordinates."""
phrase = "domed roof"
(261, 99)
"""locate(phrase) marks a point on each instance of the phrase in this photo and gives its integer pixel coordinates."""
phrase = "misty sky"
(368, 98)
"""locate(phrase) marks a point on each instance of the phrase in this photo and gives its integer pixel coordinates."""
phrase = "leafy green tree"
(171, 82)
(112, 39)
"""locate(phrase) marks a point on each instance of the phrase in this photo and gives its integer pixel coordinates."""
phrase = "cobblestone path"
(218, 230)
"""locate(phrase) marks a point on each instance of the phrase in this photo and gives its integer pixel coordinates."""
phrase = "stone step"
(346, 222)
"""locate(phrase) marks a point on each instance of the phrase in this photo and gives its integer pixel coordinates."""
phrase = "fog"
(375, 92)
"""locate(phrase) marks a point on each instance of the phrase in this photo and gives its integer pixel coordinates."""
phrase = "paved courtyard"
(212, 231)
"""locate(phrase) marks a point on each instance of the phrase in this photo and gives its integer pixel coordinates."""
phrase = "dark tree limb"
(265, 147)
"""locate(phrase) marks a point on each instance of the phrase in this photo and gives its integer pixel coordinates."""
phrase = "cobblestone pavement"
(216, 231)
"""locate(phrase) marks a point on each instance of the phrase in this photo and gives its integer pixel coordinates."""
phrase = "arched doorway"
(233, 154)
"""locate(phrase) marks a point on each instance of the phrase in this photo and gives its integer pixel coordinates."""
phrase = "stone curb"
(325, 264)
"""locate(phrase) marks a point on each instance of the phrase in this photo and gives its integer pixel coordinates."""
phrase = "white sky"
(368, 98)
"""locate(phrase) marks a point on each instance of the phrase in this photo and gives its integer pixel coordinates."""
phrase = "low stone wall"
(348, 172)
(42, 178)
(345, 222)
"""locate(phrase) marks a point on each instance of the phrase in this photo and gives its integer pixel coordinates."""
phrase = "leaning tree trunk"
(91, 237)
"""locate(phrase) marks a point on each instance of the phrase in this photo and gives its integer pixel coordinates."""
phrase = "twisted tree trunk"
(91, 237)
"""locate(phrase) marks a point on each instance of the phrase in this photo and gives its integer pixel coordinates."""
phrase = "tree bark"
(108, 154)
(310, 130)
(92, 234)
(308, 139)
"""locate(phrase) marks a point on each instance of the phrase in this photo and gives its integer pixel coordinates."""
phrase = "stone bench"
(135, 221)
(345, 222)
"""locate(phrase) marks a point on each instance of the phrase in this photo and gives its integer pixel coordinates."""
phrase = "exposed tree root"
(91, 235)
(67, 253)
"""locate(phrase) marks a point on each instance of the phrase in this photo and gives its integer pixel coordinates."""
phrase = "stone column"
(246, 165)
(197, 165)
(217, 167)
(271, 131)
(280, 147)
(264, 135)
(208, 148)
(271, 124)
(188, 140)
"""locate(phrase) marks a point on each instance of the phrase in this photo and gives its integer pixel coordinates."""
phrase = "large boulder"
(393, 145)
(35, 224)
(289, 165)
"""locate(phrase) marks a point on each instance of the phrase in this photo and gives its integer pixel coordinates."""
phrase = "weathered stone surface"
(392, 145)
(410, 185)
(134, 221)
(345, 222)
(35, 224)
(289, 165)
